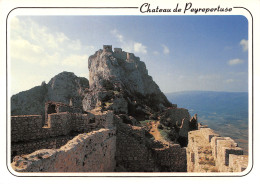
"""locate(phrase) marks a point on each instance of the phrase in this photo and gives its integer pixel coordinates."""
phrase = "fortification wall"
(27, 127)
(131, 151)
(31, 146)
(135, 153)
(28, 133)
(88, 152)
(130, 57)
(172, 158)
(208, 152)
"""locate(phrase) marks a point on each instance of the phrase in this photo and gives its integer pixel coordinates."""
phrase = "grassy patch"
(165, 134)
(116, 92)
(108, 104)
(143, 123)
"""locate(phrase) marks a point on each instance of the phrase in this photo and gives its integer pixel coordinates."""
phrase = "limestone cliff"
(65, 87)
(121, 79)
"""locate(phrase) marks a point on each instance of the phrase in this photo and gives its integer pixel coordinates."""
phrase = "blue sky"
(180, 52)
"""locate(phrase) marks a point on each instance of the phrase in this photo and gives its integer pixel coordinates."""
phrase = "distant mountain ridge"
(212, 101)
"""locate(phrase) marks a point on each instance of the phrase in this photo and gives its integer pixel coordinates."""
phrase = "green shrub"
(143, 123)
(165, 134)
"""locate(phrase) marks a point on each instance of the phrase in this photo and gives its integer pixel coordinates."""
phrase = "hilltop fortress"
(124, 124)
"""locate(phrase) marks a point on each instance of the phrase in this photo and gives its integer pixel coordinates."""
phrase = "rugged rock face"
(180, 123)
(65, 87)
(121, 79)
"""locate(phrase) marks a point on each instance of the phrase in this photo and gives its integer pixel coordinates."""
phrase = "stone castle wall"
(88, 152)
(119, 53)
(108, 144)
(134, 153)
(208, 152)
(29, 133)
(171, 159)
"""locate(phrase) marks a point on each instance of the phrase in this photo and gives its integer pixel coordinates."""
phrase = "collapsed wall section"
(135, 152)
(132, 155)
(88, 152)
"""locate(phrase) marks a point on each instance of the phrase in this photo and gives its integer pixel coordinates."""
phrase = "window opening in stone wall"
(51, 109)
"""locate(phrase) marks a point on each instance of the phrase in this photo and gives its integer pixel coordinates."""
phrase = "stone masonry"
(88, 152)
(135, 153)
(30, 133)
(208, 152)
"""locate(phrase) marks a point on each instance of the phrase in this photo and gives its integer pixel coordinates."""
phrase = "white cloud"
(61, 37)
(75, 45)
(139, 48)
(36, 44)
(119, 36)
(244, 44)
(165, 49)
(24, 50)
(129, 45)
(235, 61)
(37, 53)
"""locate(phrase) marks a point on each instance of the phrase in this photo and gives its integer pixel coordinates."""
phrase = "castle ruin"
(100, 142)
(107, 135)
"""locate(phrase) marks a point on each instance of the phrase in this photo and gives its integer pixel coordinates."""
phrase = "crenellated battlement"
(208, 152)
(107, 48)
(118, 50)
(119, 53)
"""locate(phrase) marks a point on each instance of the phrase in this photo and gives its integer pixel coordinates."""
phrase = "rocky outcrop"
(179, 122)
(65, 87)
(121, 79)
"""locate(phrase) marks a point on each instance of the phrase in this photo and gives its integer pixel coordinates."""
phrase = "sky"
(208, 53)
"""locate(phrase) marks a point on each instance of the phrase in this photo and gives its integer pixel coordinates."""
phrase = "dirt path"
(154, 130)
